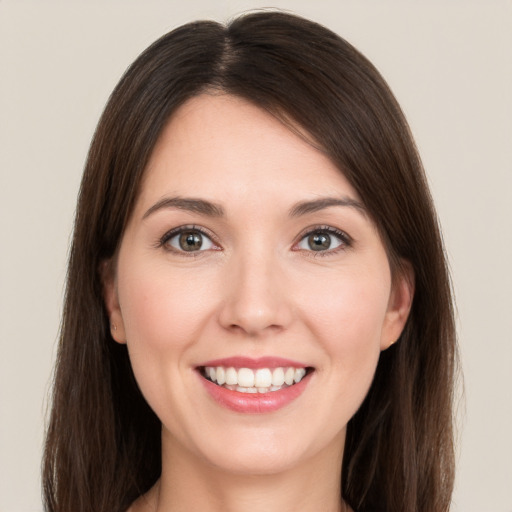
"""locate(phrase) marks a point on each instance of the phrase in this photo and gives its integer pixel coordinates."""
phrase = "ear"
(110, 296)
(399, 305)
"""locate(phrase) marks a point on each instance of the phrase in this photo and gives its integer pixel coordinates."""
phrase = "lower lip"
(258, 403)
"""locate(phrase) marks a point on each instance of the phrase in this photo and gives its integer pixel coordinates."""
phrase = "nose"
(256, 297)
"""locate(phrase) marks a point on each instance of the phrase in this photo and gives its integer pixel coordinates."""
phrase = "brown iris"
(319, 241)
(190, 241)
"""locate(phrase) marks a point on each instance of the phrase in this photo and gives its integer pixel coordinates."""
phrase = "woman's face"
(249, 252)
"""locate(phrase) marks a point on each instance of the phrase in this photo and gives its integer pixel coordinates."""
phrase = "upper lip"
(260, 362)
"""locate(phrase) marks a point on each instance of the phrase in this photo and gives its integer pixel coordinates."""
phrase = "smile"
(248, 380)
(246, 385)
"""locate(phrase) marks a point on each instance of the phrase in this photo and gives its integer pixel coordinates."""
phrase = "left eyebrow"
(305, 207)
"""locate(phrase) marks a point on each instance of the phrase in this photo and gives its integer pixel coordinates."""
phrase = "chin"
(245, 461)
(265, 451)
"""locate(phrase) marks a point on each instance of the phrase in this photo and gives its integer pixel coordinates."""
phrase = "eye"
(187, 240)
(324, 239)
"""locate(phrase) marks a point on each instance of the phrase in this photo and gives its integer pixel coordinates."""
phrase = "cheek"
(163, 314)
(347, 319)
(351, 307)
(161, 309)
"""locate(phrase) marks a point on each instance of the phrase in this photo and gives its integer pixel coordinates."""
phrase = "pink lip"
(262, 362)
(254, 402)
(257, 402)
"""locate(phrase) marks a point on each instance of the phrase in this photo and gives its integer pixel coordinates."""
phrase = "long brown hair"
(103, 441)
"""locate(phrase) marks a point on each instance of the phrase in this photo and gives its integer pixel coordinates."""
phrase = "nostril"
(253, 306)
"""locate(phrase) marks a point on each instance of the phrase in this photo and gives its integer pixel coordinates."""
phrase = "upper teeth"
(260, 378)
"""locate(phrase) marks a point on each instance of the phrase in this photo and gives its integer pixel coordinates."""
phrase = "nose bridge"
(256, 294)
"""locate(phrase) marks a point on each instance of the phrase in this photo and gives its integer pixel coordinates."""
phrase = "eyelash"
(163, 241)
(345, 240)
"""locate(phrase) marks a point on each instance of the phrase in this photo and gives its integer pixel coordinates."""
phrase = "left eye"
(321, 240)
(189, 240)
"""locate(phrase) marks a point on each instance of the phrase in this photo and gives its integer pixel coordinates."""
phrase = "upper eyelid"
(330, 229)
(187, 227)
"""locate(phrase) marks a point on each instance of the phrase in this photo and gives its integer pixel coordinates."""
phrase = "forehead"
(222, 147)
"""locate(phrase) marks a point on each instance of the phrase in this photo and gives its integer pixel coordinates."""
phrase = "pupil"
(190, 241)
(319, 241)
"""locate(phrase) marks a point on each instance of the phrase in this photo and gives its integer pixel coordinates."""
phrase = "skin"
(257, 290)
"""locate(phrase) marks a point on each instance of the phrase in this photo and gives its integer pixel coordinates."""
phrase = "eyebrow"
(188, 204)
(305, 207)
(210, 209)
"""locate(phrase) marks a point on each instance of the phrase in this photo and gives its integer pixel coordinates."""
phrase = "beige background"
(450, 65)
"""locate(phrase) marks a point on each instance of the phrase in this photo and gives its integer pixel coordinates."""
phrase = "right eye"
(188, 240)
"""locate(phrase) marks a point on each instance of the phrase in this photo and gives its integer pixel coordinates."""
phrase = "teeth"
(299, 373)
(231, 377)
(246, 377)
(262, 380)
(243, 389)
(289, 375)
(278, 377)
(221, 375)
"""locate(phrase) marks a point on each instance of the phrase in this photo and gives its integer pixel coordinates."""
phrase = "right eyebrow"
(200, 206)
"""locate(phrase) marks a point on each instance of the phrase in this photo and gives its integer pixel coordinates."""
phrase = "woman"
(258, 312)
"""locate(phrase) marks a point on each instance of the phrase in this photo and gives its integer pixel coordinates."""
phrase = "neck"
(188, 483)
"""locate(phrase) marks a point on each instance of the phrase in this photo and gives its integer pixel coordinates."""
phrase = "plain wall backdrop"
(449, 64)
